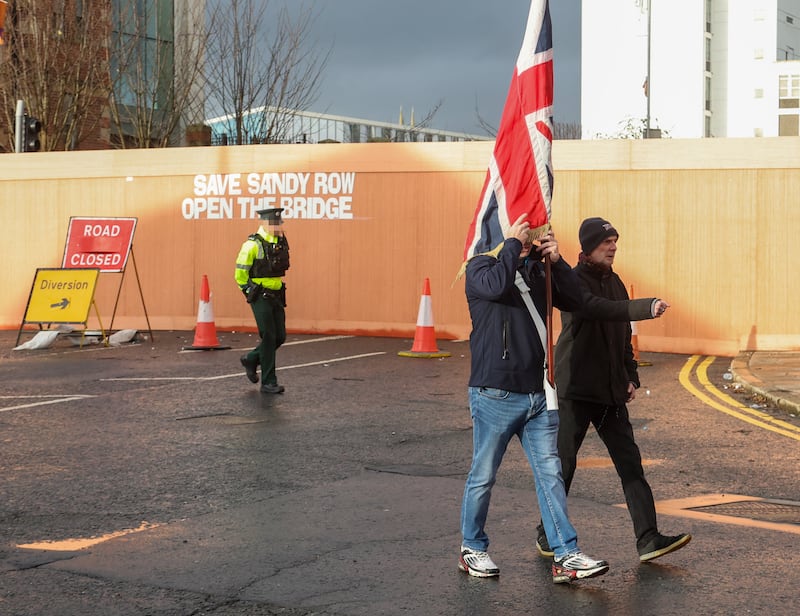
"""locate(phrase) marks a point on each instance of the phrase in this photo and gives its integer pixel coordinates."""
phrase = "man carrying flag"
(507, 291)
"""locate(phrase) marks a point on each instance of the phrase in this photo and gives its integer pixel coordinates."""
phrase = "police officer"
(260, 266)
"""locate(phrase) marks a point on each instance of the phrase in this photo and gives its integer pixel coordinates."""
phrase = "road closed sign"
(102, 243)
(61, 295)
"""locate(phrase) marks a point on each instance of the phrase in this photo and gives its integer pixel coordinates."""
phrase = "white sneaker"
(577, 566)
(477, 563)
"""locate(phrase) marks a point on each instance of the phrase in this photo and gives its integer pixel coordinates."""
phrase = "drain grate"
(764, 511)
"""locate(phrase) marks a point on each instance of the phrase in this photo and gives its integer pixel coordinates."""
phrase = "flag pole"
(549, 321)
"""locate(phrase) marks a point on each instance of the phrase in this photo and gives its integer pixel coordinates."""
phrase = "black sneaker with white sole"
(662, 544)
(543, 546)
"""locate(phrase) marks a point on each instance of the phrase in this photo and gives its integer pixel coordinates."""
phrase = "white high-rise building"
(690, 68)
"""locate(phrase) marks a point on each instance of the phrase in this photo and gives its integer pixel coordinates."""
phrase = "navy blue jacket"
(507, 352)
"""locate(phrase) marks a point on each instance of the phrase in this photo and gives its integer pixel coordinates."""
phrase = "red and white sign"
(102, 243)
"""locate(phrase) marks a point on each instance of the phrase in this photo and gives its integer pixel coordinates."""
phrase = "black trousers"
(614, 428)
(271, 321)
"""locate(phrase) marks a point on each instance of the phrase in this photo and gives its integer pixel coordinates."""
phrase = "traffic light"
(31, 128)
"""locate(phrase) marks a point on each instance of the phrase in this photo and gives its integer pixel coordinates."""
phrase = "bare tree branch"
(488, 128)
(260, 72)
(561, 130)
(635, 128)
(155, 81)
(53, 56)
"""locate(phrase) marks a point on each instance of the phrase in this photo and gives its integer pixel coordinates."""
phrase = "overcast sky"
(414, 53)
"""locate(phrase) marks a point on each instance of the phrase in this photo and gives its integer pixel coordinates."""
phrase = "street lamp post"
(649, 32)
(19, 127)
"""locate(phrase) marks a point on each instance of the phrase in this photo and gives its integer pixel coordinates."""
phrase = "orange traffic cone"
(424, 337)
(635, 340)
(205, 334)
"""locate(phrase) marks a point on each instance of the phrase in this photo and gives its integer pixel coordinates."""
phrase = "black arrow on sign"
(62, 304)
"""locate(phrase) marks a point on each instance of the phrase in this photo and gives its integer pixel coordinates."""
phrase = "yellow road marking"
(686, 508)
(606, 462)
(751, 417)
(702, 376)
(70, 545)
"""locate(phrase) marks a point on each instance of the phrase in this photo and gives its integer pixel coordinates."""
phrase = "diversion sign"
(61, 295)
(102, 243)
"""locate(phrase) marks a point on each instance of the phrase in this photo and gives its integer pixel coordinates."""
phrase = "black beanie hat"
(593, 231)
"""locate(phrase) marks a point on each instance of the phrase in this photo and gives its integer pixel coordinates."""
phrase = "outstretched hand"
(659, 308)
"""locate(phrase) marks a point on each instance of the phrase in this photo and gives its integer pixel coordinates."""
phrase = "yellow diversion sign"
(61, 295)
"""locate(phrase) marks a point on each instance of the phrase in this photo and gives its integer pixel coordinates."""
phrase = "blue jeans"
(497, 416)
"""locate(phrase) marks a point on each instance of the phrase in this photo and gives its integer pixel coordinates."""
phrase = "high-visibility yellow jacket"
(249, 252)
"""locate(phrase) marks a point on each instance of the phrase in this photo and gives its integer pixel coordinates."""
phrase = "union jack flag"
(520, 175)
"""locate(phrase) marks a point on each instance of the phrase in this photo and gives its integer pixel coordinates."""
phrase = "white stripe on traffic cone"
(425, 336)
(205, 334)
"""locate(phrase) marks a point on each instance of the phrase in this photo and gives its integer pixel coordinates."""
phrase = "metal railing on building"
(312, 127)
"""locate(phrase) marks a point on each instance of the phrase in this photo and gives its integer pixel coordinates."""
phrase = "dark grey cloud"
(416, 53)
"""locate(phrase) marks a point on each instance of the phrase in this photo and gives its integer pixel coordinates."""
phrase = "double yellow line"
(729, 405)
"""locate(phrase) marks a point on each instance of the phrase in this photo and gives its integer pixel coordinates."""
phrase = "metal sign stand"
(141, 295)
(107, 242)
(50, 307)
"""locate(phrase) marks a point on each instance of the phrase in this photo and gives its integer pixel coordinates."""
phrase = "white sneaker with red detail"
(477, 563)
(577, 566)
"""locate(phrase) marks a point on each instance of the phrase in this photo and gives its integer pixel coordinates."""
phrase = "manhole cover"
(764, 511)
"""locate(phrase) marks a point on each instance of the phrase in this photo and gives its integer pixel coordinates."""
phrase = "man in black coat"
(596, 375)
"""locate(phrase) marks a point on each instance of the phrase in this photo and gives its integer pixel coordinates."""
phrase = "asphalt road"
(145, 480)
